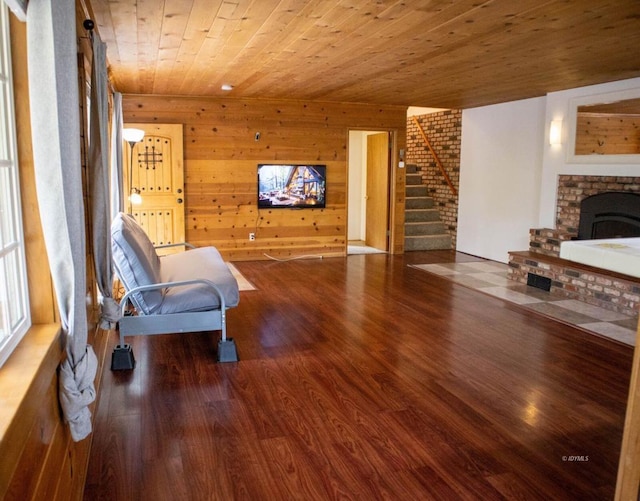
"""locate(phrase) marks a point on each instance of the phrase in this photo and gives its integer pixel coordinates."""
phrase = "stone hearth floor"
(490, 277)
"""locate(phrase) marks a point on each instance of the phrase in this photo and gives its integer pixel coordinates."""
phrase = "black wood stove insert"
(610, 215)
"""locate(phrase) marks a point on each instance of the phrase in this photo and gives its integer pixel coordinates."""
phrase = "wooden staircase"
(423, 228)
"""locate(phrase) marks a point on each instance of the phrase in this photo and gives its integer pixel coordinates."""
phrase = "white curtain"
(99, 185)
(117, 184)
(55, 124)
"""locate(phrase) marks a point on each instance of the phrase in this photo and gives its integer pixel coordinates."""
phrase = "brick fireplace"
(599, 287)
(573, 189)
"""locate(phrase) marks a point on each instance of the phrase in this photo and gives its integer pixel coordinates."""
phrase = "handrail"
(440, 166)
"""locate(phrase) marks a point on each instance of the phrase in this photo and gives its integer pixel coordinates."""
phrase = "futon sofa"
(188, 291)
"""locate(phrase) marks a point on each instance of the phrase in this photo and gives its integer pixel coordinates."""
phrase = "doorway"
(368, 197)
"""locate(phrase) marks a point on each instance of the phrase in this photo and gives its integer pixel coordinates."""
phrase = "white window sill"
(19, 373)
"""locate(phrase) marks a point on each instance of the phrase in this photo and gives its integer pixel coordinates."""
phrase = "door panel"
(158, 174)
(377, 198)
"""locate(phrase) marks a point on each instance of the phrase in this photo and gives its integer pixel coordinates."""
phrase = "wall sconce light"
(133, 136)
(555, 132)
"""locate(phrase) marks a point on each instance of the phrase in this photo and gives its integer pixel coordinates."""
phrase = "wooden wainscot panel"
(41, 437)
(31, 371)
(39, 458)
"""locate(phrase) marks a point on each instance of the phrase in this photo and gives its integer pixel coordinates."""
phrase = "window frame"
(15, 317)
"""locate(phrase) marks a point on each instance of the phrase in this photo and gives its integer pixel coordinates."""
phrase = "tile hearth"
(490, 277)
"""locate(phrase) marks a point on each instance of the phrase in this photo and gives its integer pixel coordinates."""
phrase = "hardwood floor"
(362, 378)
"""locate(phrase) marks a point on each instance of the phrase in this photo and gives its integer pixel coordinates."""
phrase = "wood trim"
(41, 293)
(628, 480)
(397, 191)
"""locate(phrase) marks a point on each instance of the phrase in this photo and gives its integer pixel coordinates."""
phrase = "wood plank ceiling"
(449, 54)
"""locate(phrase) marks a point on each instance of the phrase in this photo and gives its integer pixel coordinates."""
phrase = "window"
(14, 307)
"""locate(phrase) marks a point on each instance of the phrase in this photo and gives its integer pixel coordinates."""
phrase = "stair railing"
(438, 162)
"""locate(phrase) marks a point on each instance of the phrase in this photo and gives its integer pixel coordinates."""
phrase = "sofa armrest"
(186, 244)
(167, 285)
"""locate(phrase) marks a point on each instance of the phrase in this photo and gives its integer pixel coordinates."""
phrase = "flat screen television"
(292, 186)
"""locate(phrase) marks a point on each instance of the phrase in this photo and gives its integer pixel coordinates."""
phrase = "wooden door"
(158, 174)
(377, 198)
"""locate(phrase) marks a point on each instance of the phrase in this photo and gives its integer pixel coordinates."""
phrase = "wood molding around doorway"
(377, 192)
(396, 192)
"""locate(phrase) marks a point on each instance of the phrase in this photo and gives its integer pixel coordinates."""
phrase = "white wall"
(356, 194)
(500, 173)
(357, 208)
(555, 157)
(509, 171)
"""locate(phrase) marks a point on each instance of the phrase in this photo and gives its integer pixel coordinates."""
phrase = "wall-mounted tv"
(292, 186)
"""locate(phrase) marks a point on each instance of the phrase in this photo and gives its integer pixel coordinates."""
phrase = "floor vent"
(543, 283)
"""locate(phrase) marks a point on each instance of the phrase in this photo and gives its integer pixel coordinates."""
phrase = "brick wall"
(444, 131)
(573, 189)
(602, 288)
(547, 241)
(598, 287)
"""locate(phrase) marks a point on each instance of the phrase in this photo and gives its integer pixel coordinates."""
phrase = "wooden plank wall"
(221, 158)
(607, 134)
(39, 460)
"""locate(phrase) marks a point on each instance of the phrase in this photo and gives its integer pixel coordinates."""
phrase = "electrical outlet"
(252, 236)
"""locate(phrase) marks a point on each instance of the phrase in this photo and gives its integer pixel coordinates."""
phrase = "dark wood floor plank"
(364, 378)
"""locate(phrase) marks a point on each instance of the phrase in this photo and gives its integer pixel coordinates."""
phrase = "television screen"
(291, 186)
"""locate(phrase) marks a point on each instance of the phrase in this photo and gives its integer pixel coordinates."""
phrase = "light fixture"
(132, 136)
(226, 87)
(135, 198)
(555, 132)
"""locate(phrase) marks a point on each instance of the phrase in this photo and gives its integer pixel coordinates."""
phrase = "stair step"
(418, 203)
(421, 215)
(413, 179)
(416, 191)
(427, 242)
(424, 228)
